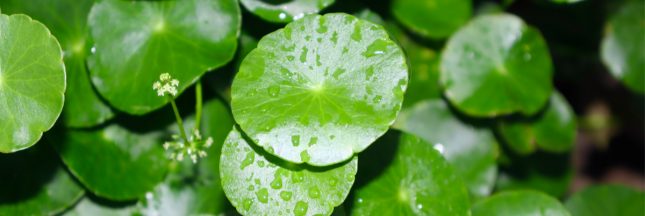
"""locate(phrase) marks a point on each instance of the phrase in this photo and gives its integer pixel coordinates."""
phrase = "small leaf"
(191, 189)
(436, 19)
(136, 41)
(114, 162)
(284, 11)
(34, 182)
(258, 183)
(605, 200)
(497, 65)
(515, 203)
(32, 82)
(67, 21)
(470, 148)
(414, 179)
(553, 130)
(622, 46)
(321, 89)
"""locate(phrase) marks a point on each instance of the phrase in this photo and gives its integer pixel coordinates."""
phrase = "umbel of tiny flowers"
(181, 146)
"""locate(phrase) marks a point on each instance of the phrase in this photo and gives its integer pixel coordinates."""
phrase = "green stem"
(178, 117)
(198, 105)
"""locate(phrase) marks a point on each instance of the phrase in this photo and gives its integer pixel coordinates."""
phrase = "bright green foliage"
(114, 162)
(34, 182)
(416, 180)
(67, 21)
(31, 89)
(607, 200)
(497, 65)
(435, 19)
(320, 89)
(553, 129)
(258, 183)
(284, 11)
(470, 148)
(622, 47)
(516, 203)
(195, 189)
(137, 41)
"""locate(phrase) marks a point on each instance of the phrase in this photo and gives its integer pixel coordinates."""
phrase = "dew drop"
(247, 204)
(282, 16)
(270, 150)
(419, 206)
(304, 156)
(93, 50)
(262, 195)
(285, 195)
(303, 55)
(356, 35)
(313, 141)
(290, 58)
(314, 192)
(377, 47)
(295, 140)
(251, 188)
(338, 72)
(439, 147)
(360, 200)
(334, 37)
(297, 177)
(248, 160)
(333, 182)
(300, 209)
(261, 163)
(350, 177)
(277, 182)
(274, 90)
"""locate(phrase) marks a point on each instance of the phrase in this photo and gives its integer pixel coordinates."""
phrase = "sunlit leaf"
(32, 81)
(258, 183)
(435, 19)
(320, 89)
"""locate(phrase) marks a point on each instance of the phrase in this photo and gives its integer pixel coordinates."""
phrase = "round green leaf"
(136, 41)
(553, 130)
(94, 207)
(414, 179)
(34, 182)
(622, 46)
(436, 19)
(114, 162)
(321, 89)
(471, 149)
(514, 203)
(259, 184)
(607, 200)
(67, 21)
(497, 65)
(195, 189)
(541, 171)
(284, 11)
(32, 82)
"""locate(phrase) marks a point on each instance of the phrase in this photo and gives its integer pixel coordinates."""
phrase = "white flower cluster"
(166, 84)
(194, 149)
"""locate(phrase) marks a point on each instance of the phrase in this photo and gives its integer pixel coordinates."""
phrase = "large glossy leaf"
(435, 19)
(607, 200)
(32, 81)
(321, 89)
(622, 46)
(516, 203)
(470, 148)
(67, 21)
(136, 41)
(258, 183)
(414, 179)
(195, 189)
(34, 182)
(497, 65)
(554, 129)
(546, 172)
(114, 162)
(284, 11)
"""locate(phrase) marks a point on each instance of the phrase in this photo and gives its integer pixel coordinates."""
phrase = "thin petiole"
(178, 117)
(198, 105)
